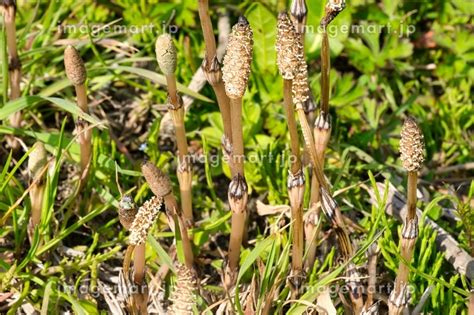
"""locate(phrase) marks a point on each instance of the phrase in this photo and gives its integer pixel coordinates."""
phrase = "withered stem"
(238, 221)
(218, 87)
(81, 95)
(14, 72)
(237, 136)
(180, 132)
(290, 115)
(139, 263)
(372, 281)
(407, 242)
(411, 192)
(312, 231)
(172, 89)
(336, 219)
(177, 114)
(127, 259)
(176, 215)
(295, 167)
(187, 247)
(325, 70)
(224, 106)
(298, 243)
(85, 133)
(36, 195)
(236, 234)
(207, 29)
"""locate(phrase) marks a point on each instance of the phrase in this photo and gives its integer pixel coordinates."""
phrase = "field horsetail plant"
(37, 161)
(212, 70)
(235, 73)
(286, 46)
(76, 73)
(329, 206)
(166, 57)
(160, 185)
(9, 9)
(412, 156)
(322, 123)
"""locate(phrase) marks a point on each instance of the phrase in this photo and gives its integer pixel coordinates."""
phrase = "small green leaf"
(263, 24)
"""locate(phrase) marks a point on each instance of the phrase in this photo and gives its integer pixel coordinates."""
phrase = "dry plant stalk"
(76, 73)
(160, 185)
(322, 124)
(235, 73)
(14, 63)
(166, 56)
(36, 162)
(212, 70)
(286, 46)
(412, 156)
(372, 253)
(184, 292)
(328, 204)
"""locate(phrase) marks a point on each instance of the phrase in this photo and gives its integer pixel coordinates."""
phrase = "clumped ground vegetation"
(257, 157)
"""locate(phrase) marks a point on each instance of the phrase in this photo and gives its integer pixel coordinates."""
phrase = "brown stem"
(321, 135)
(398, 299)
(224, 106)
(314, 194)
(310, 145)
(182, 144)
(328, 204)
(207, 29)
(372, 272)
(311, 233)
(411, 192)
(290, 115)
(14, 68)
(175, 214)
(36, 195)
(298, 243)
(127, 259)
(236, 233)
(295, 191)
(237, 136)
(14, 62)
(325, 70)
(85, 144)
(139, 263)
(237, 194)
(187, 247)
(85, 133)
(184, 169)
(212, 69)
(172, 90)
(185, 184)
(81, 95)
